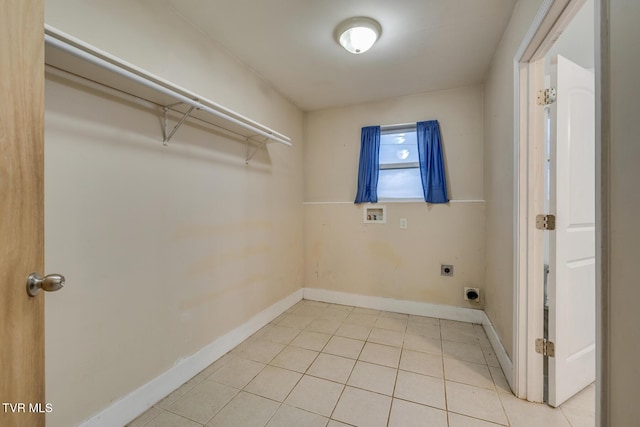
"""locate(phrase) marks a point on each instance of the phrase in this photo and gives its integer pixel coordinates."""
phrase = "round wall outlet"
(472, 294)
(446, 270)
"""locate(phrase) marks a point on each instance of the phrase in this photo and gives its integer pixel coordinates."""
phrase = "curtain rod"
(397, 126)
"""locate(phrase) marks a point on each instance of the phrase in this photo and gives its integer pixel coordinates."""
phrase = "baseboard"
(498, 349)
(135, 403)
(448, 312)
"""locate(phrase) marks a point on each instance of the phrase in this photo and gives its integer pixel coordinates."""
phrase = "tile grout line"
(350, 373)
(444, 375)
(249, 382)
(342, 321)
(305, 371)
(395, 382)
(316, 358)
(297, 382)
(504, 410)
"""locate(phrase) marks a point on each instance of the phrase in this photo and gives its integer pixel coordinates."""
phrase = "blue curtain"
(434, 182)
(368, 169)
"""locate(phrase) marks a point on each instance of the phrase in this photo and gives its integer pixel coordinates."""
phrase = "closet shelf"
(73, 56)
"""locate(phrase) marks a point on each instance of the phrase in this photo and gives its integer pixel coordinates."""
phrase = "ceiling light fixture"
(357, 35)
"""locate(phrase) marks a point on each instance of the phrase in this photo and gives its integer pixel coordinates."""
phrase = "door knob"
(49, 283)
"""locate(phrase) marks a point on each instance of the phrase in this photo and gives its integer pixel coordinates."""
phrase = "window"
(400, 161)
(399, 174)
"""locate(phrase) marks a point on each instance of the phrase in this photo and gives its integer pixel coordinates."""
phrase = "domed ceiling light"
(357, 35)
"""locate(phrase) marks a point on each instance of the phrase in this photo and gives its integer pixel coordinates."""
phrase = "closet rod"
(89, 57)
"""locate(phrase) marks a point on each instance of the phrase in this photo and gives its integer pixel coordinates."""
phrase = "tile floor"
(330, 365)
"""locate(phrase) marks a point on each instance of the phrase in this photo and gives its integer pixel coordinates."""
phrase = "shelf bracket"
(251, 153)
(165, 122)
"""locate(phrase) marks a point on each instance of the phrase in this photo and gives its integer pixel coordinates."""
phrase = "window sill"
(387, 201)
(400, 200)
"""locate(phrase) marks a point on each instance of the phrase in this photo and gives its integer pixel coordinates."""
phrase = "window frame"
(393, 129)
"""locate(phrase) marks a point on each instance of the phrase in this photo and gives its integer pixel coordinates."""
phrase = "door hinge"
(546, 222)
(546, 96)
(545, 347)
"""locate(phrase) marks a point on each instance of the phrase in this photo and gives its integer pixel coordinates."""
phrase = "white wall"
(622, 175)
(575, 41)
(165, 249)
(343, 254)
(499, 174)
(620, 338)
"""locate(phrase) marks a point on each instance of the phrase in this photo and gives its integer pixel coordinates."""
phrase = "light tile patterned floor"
(331, 365)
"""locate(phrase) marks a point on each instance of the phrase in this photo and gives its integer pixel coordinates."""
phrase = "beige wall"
(499, 174)
(164, 248)
(620, 155)
(343, 254)
(623, 210)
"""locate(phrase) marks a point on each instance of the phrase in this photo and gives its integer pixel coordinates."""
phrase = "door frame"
(550, 21)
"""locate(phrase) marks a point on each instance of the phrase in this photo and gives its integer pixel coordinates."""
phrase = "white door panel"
(572, 244)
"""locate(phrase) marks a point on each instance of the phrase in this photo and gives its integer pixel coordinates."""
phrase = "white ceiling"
(426, 45)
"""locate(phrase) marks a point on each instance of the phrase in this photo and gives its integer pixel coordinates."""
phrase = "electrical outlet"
(446, 270)
(472, 294)
(403, 223)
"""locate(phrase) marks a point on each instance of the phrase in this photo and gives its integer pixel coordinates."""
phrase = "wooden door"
(21, 211)
(572, 246)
